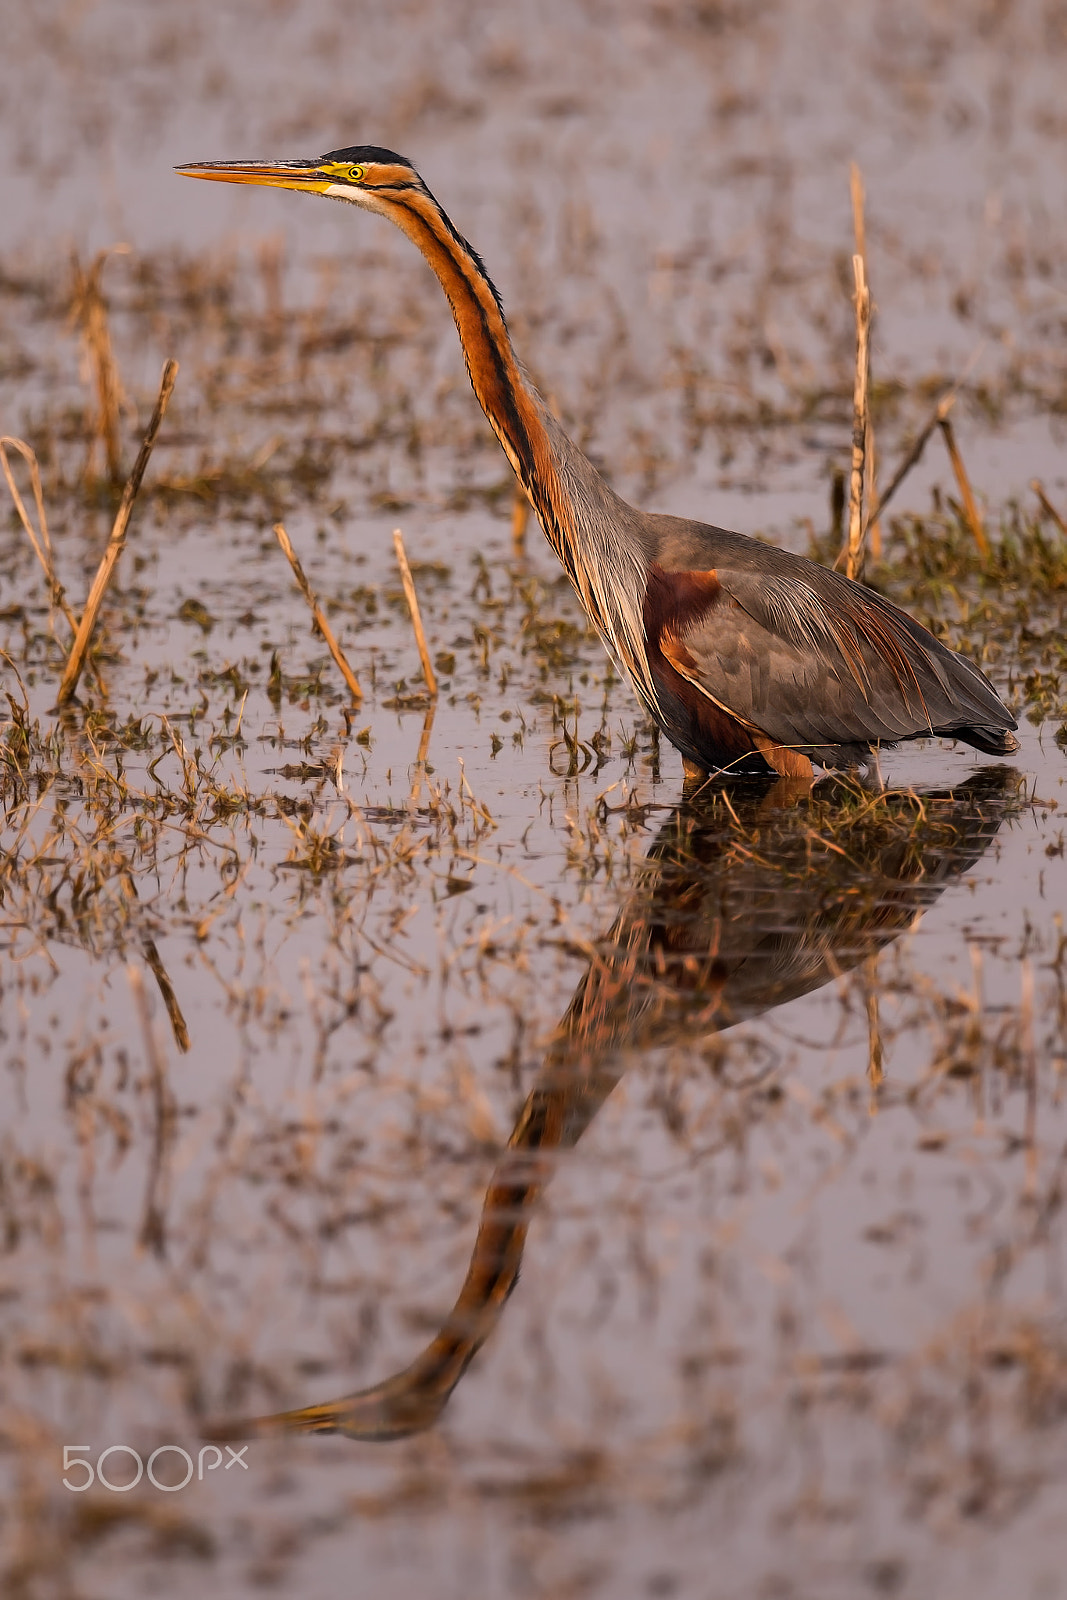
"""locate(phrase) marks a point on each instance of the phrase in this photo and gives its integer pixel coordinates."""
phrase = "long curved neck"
(588, 526)
(516, 411)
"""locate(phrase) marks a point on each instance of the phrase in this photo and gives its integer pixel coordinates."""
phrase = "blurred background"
(660, 190)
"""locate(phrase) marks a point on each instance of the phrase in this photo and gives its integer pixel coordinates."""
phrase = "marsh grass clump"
(1008, 609)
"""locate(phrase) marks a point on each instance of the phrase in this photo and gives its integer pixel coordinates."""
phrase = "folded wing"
(818, 664)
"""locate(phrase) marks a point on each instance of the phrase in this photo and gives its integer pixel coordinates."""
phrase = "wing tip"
(994, 741)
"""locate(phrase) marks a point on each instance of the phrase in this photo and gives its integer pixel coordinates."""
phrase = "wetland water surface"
(661, 1198)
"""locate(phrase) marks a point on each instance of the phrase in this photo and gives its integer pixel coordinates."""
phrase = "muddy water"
(661, 1200)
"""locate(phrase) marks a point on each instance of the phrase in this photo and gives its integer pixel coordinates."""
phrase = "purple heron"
(748, 657)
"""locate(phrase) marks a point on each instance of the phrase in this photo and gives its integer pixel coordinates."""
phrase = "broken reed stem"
(970, 508)
(90, 313)
(1046, 505)
(413, 606)
(859, 420)
(318, 614)
(116, 543)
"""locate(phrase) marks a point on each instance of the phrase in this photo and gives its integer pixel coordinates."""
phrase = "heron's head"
(364, 174)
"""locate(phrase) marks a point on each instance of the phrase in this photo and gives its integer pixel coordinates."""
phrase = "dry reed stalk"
(970, 508)
(90, 314)
(860, 420)
(116, 543)
(873, 528)
(520, 516)
(318, 614)
(855, 180)
(1046, 505)
(413, 606)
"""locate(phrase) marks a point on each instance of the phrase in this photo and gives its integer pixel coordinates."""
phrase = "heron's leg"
(693, 773)
(876, 771)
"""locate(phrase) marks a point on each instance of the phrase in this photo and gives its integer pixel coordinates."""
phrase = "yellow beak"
(306, 175)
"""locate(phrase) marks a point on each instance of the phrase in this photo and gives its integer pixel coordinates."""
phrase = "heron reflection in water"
(739, 907)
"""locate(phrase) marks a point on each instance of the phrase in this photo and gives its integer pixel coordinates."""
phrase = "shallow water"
(783, 1076)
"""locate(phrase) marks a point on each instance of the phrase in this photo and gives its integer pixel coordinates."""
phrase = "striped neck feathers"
(590, 528)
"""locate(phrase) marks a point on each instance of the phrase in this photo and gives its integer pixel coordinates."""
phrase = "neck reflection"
(748, 898)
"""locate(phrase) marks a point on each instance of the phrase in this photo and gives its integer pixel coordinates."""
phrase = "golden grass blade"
(318, 613)
(116, 543)
(42, 545)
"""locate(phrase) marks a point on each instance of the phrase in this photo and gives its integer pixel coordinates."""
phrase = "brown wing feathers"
(759, 667)
(707, 732)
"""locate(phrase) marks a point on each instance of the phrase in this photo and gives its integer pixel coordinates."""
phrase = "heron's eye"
(355, 174)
